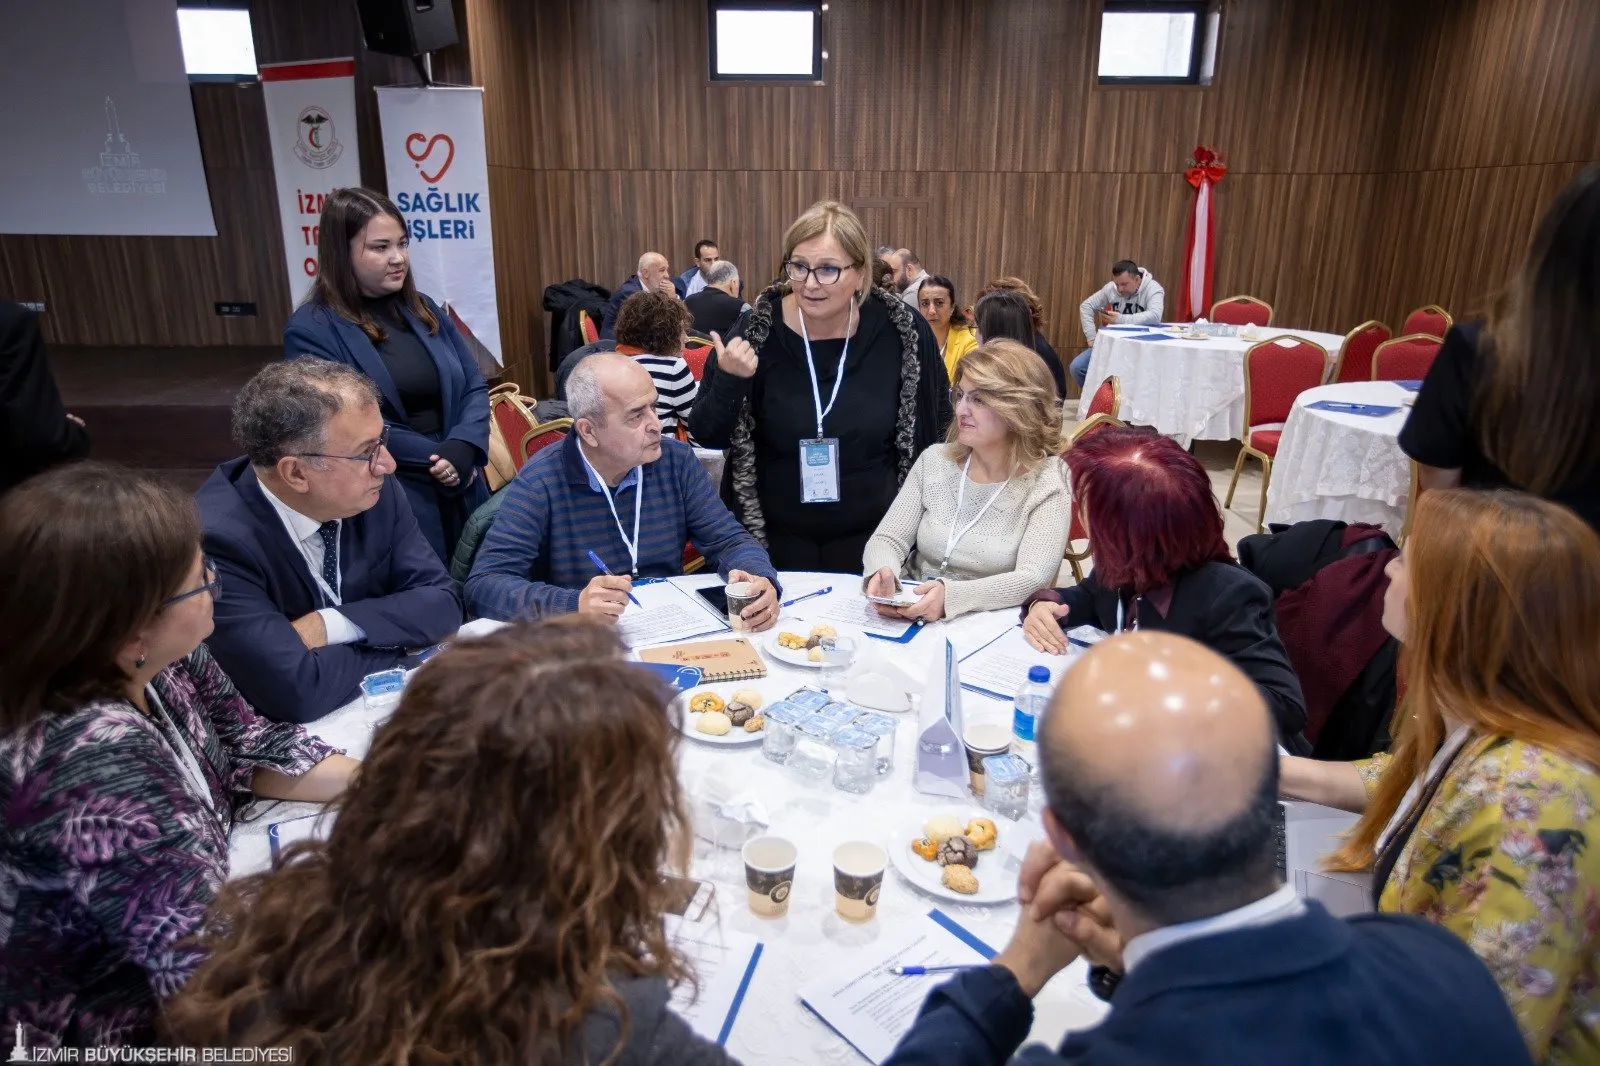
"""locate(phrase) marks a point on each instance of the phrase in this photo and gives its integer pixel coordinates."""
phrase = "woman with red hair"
(1160, 562)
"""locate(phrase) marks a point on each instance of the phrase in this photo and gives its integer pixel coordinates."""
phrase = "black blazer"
(35, 433)
(1224, 607)
(393, 586)
(1379, 990)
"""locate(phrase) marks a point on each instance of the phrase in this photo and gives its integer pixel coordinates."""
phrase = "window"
(217, 45)
(765, 40)
(1155, 42)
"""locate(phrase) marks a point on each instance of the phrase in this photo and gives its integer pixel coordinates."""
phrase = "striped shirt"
(533, 560)
(676, 388)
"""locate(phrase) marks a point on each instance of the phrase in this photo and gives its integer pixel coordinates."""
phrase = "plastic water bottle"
(1027, 711)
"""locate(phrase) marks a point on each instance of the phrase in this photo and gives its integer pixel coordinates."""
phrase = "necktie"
(329, 532)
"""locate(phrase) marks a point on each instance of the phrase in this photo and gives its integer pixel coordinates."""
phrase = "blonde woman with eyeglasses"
(981, 522)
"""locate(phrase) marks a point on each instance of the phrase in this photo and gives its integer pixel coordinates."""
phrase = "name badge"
(819, 470)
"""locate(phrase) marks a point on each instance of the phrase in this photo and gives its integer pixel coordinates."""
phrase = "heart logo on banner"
(421, 157)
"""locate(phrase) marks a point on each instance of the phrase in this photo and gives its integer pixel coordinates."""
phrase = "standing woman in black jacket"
(832, 391)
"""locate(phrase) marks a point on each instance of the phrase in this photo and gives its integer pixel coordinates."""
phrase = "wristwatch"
(1103, 982)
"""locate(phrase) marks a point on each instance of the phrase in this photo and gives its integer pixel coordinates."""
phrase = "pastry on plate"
(958, 851)
(713, 723)
(701, 702)
(941, 828)
(756, 723)
(925, 848)
(814, 655)
(739, 712)
(960, 879)
(982, 833)
(749, 697)
(823, 631)
(792, 641)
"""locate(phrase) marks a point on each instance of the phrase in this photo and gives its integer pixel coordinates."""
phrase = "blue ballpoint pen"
(918, 971)
(807, 596)
(601, 566)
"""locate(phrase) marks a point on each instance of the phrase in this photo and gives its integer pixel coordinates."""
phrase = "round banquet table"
(1187, 389)
(1345, 466)
(811, 941)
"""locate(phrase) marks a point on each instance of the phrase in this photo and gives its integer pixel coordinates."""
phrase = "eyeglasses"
(370, 458)
(977, 396)
(826, 274)
(212, 586)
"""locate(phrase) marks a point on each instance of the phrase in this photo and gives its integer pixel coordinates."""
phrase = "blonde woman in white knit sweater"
(981, 521)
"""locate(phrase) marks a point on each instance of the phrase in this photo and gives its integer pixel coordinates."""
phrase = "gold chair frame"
(1245, 448)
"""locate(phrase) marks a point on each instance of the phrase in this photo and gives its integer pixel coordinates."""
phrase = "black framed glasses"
(370, 458)
(212, 586)
(826, 274)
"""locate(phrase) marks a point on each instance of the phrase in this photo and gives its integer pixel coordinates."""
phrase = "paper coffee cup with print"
(740, 594)
(981, 742)
(858, 879)
(769, 874)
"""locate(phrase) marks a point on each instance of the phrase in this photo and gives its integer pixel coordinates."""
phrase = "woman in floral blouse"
(1485, 817)
(125, 755)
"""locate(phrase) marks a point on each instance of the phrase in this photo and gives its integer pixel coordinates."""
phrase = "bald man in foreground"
(1161, 776)
(654, 275)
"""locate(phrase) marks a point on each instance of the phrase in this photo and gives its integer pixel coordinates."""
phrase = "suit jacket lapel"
(276, 537)
(369, 362)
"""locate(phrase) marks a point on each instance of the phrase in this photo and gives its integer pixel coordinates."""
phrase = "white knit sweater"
(1014, 551)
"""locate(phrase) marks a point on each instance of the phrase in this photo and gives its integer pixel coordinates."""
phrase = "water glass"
(855, 765)
(808, 699)
(777, 736)
(812, 757)
(882, 727)
(1006, 788)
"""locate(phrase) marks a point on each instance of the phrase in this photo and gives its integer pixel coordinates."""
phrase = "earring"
(138, 663)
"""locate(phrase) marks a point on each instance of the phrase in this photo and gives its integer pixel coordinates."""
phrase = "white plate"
(996, 871)
(735, 737)
(798, 657)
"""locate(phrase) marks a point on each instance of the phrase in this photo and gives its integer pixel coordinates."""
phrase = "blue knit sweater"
(533, 560)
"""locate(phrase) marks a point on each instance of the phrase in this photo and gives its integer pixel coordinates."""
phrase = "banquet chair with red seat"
(1275, 372)
(695, 356)
(1405, 358)
(510, 419)
(1242, 311)
(1107, 398)
(586, 326)
(1355, 355)
(1433, 320)
(542, 436)
(1075, 531)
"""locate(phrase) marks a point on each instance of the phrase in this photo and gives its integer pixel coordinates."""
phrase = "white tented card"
(819, 470)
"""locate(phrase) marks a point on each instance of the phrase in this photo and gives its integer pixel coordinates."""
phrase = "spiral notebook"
(719, 660)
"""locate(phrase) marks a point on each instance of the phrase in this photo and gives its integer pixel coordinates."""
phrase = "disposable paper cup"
(858, 879)
(769, 874)
(740, 594)
(981, 742)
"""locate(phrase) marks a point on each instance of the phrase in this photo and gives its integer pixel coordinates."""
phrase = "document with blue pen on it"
(999, 668)
(724, 962)
(666, 613)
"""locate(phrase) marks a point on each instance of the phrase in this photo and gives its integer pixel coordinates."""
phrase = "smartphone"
(902, 599)
(716, 597)
(689, 899)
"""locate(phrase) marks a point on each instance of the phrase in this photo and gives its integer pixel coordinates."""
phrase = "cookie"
(792, 641)
(959, 879)
(714, 723)
(982, 833)
(701, 702)
(925, 848)
(756, 724)
(814, 655)
(739, 713)
(958, 851)
(749, 697)
(823, 631)
(941, 829)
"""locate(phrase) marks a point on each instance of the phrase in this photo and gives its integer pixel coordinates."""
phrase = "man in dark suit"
(36, 432)
(325, 575)
(1161, 777)
(715, 308)
(655, 274)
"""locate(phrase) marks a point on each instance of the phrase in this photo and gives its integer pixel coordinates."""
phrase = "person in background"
(717, 307)
(1036, 313)
(36, 432)
(1160, 779)
(698, 276)
(1482, 817)
(326, 575)
(493, 888)
(882, 271)
(981, 522)
(653, 328)
(880, 397)
(1133, 297)
(588, 495)
(1008, 314)
(1160, 562)
(1510, 402)
(654, 275)
(909, 275)
(126, 755)
(365, 312)
(937, 302)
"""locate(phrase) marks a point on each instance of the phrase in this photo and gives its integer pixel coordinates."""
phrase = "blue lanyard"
(805, 337)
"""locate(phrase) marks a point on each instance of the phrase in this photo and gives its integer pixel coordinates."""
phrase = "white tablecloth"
(810, 941)
(1344, 466)
(1187, 389)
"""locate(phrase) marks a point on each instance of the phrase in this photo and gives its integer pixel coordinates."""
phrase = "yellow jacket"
(1507, 856)
(962, 340)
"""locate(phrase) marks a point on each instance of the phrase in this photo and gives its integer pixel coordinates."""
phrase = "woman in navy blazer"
(365, 311)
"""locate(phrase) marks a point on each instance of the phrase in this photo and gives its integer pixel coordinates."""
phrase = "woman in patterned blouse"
(125, 755)
(1485, 817)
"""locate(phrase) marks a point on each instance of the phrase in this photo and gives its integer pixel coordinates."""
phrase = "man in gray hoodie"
(1133, 297)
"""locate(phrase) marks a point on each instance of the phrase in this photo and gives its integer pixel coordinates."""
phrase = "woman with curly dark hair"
(492, 891)
(653, 328)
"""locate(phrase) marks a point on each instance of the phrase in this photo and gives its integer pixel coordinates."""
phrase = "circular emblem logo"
(781, 892)
(873, 893)
(314, 140)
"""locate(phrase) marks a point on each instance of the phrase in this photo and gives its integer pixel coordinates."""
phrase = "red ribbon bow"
(1204, 167)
